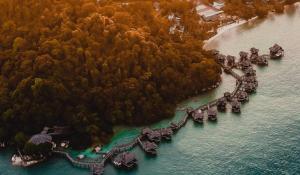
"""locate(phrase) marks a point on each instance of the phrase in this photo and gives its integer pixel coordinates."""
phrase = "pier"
(149, 139)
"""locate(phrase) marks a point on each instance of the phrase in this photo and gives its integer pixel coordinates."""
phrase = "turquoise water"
(264, 139)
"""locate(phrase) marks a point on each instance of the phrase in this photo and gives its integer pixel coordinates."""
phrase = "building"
(208, 13)
(218, 4)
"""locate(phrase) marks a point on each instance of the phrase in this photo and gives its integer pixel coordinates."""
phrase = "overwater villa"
(198, 116)
(151, 135)
(230, 60)
(250, 79)
(235, 106)
(250, 87)
(254, 55)
(149, 147)
(250, 72)
(221, 104)
(263, 60)
(243, 56)
(227, 96)
(276, 51)
(220, 58)
(242, 96)
(245, 65)
(41, 146)
(211, 114)
(166, 133)
(125, 160)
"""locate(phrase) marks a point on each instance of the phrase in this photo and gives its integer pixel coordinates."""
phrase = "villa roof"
(275, 48)
(150, 145)
(40, 138)
(211, 111)
(235, 103)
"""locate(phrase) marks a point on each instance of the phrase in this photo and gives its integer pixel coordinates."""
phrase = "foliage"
(37, 150)
(92, 65)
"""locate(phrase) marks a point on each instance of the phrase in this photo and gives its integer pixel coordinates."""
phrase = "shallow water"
(264, 139)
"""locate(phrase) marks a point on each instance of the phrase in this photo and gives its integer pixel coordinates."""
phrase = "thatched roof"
(40, 138)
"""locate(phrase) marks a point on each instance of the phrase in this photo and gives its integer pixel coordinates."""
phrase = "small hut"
(236, 106)
(250, 87)
(250, 72)
(150, 147)
(276, 51)
(262, 60)
(243, 56)
(39, 144)
(166, 133)
(254, 55)
(230, 60)
(245, 65)
(152, 135)
(198, 116)
(227, 96)
(221, 104)
(211, 114)
(242, 96)
(125, 160)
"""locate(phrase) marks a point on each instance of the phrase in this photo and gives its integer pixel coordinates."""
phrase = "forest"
(92, 65)
(96, 64)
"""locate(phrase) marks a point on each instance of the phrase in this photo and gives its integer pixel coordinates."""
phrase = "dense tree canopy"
(247, 9)
(94, 64)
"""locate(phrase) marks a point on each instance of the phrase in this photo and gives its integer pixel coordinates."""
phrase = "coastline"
(227, 27)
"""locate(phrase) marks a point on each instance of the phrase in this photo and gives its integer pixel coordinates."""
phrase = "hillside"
(93, 65)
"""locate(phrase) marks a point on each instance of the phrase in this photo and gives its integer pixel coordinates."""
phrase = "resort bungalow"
(125, 160)
(37, 149)
(263, 60)
(250, 72)
(276, 51)
(250, 79)
(236, 106)
(250, 87)
(208, 13)
(254, 55)
(198, 116)
(242, 96)
(243, 56)
(218, 4)
(230, 60)
(221, 104)
(149, 147)
(245, 65)
(227, 96)
(151, 135)
(211, 114)
(166, 133)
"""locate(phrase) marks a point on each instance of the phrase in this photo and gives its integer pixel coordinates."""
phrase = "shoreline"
(227, 27)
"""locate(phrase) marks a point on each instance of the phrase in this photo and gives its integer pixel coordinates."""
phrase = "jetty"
(149, 139)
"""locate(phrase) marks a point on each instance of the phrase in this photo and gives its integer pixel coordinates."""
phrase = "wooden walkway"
(97, 166)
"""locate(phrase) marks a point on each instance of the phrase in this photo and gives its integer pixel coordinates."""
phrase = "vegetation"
(92, 65)
(37, 150)
(250, 9)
